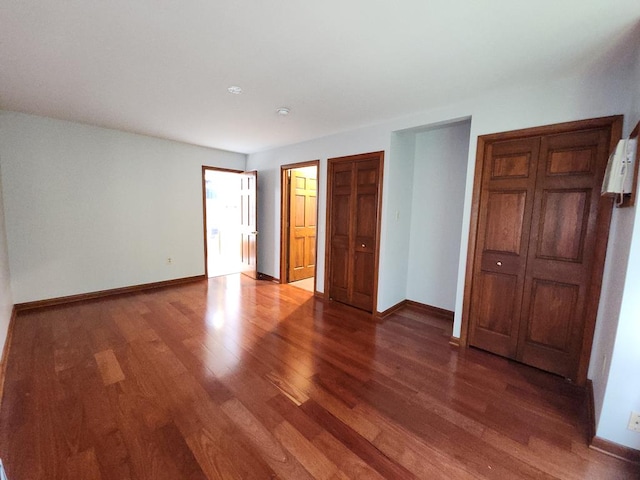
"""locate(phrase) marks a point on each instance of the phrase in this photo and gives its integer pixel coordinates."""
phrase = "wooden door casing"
(353, 228)
(303, 194)
(545, 314)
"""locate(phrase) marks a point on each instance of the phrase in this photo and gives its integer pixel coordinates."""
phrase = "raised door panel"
(299, 215)
(298, 234)
(562, 242)
(501, 205)
(340, 274)
(508, 184)
(495, 311)
(297, 254)
(311, 207)
(553, 305)
(511, 166)
(340, 247)
(554, 314)
(363, 274)
(563, 220)
(572, 161)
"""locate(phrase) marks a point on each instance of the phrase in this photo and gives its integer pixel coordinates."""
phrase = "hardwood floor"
(233, 378)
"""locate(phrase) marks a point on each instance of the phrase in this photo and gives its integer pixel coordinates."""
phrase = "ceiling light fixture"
(283, 111)
(234, 89)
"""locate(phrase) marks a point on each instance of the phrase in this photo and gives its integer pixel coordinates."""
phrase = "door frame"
(605, 208)
(285, 193)
(327, 242)
(204, 210)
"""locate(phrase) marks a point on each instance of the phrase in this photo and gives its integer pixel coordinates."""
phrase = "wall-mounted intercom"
(621, 176)
(618, 177)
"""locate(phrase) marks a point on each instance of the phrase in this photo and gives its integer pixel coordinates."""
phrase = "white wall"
(6, 302)
(439, 175)
(89, 209)
(615, 360)
(622, 389)
(589, 94)
(614, 277)
(396, 218)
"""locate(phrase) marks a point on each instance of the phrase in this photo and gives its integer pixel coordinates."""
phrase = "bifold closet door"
(535, 244)
(353, 218)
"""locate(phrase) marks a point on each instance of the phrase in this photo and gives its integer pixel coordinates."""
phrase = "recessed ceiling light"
(283, 111)
(234, 89)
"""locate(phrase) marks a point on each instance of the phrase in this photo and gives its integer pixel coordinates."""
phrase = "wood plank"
(282, 462)
(295, 416)
(349, 463)
(314, 461)
(109, 367)
(83, 465)
(357, 444)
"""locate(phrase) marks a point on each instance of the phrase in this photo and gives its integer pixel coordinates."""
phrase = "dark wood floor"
(252, 380)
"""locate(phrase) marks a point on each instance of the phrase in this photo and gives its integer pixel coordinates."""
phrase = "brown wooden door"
(302, 227)
(538, 228)
(508, 186)
(248, 223)
(561, 246)
(353, 218)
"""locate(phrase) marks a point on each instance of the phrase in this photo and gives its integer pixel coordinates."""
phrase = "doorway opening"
(298, 220)
(222, 221)
(430, 164)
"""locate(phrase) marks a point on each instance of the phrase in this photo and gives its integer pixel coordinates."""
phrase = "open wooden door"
(302, 228)
(249, 223)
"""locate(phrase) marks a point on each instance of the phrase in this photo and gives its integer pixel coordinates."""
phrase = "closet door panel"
(341, 233)
(560, 259)
(506, 204)
(552, 309)
(502, 205)
(365, 226)
(564, 215)
(363, 280)
(495, 311)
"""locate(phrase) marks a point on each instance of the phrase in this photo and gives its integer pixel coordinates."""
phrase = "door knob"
(499, 263)
(363, 245)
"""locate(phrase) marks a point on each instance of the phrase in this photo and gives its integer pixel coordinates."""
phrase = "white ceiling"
(162, 67)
